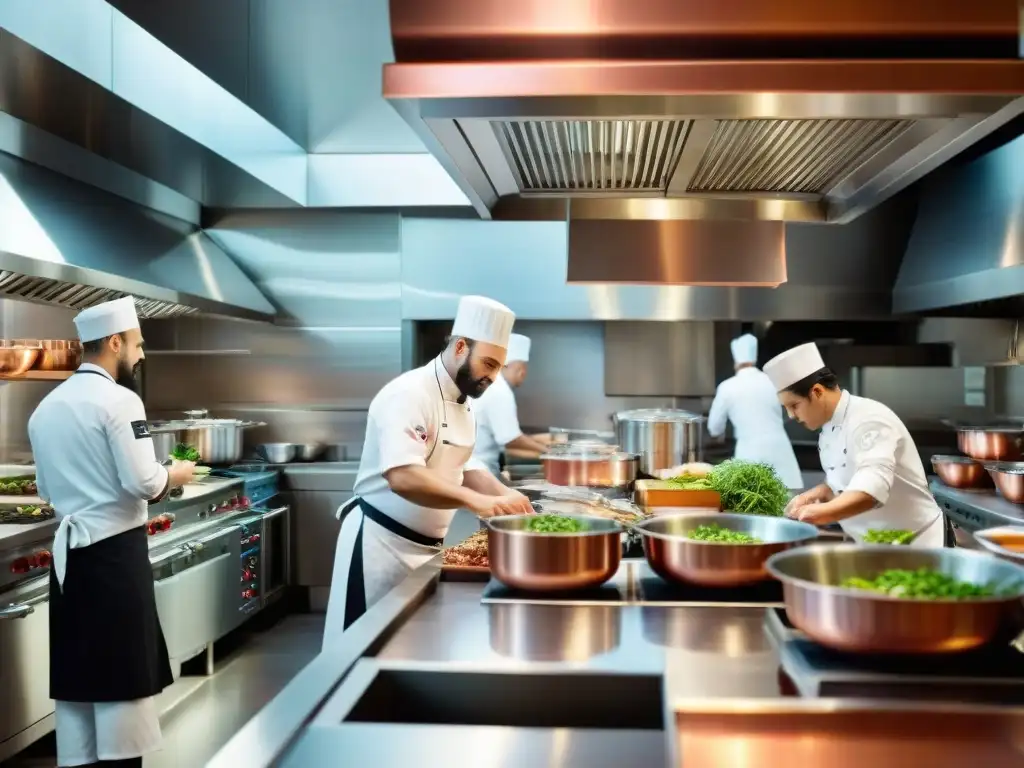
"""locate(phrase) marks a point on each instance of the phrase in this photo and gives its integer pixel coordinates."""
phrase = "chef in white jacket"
(874, 478)
(497, 418)
(95, 464)
(750, 401)
(417, 469)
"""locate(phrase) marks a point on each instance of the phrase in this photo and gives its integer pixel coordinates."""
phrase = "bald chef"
(497, 419)
(96, 466)
(749, 401)
(874, 478)
(417, 467)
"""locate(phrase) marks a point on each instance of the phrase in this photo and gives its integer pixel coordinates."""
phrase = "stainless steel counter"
(431, 676)
(975, 510)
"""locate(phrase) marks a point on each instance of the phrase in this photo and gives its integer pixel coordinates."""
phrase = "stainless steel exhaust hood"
(800, 111)
(66, 244)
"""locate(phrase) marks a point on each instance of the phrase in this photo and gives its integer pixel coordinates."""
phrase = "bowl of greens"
(550, 553)
(717, 549)
(897, 599)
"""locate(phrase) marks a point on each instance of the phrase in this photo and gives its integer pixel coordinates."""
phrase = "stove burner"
(654, 589)
(609, 593)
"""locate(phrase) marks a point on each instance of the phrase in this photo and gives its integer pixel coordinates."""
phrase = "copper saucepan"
(991, 443)
(961, 472)
(1009, 479)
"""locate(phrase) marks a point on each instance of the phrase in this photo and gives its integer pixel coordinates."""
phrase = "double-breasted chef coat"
(96, 466)
(497, 423)
(417, 419)
(866, 447)
(750, 402)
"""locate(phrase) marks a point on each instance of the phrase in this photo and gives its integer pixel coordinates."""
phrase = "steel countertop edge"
(422, 606)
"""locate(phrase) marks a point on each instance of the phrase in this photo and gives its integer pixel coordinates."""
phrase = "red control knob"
(43, 559)
(254, 538)
(245, 503)
(21, 565)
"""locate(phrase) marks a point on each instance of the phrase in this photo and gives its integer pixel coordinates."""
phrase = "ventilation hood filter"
(778, 102)
(677, 252)
(59, 293)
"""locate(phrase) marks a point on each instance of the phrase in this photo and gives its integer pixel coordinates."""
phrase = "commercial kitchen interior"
(297, 223)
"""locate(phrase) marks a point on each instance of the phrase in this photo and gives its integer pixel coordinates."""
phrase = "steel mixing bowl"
(865, 622)
(551, 562)
(1009, 479)
(276, 453)
(961, 472)
(675, 557)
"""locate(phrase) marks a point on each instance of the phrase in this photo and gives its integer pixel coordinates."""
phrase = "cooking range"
(993, 674)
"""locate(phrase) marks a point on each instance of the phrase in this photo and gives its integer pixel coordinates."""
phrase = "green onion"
(722, 535)
(885, 536)
(922, 584)
(554, 524)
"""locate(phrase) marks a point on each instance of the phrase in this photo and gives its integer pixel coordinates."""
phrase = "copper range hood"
(679, 109)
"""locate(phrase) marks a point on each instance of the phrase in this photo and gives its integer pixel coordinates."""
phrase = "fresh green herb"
(749, 488)
(922, 584)
(885, 536)
(18, 486)
(554, 524)
(185, 452)
(722, 535)
(690, 483)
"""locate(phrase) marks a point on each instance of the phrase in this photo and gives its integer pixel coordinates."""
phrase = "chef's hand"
(496, 506)
(180, 473)
(798, 503)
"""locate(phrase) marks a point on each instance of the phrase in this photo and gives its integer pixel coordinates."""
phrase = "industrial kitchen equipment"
(589, 464)
(662, 437)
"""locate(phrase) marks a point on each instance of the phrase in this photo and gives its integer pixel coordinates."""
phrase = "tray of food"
(25, 513)
(23, 485)
(467, 560)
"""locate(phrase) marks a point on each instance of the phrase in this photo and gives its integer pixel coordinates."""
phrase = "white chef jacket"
(750, 402)
(402, 430)
(95, 462)
(497, 423)
(865, 447)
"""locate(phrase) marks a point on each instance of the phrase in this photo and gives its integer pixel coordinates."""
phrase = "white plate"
(984, 538)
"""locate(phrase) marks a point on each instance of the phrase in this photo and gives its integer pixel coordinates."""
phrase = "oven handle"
(274, 513)
(21, 610)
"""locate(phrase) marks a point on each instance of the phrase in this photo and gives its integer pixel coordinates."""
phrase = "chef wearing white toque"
(749, 400)
(96, 466)
(497, 418)
(874, 478)
(417, 469)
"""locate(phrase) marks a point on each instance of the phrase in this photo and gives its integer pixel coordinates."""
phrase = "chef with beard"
(417, 469)
(96, 466)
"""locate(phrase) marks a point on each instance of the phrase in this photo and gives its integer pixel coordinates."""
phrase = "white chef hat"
(518, 348)
(106, 319)
(793, 365)
(485, 320)
(744, 349)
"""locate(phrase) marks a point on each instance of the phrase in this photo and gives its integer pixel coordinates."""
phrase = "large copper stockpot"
(991, 443)
(589, 464)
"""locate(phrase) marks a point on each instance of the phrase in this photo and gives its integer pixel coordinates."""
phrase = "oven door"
(275, 555)
(24, 665)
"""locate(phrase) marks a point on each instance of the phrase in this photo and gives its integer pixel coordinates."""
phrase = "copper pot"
(591, 465)
(860, 621)
(991, 443)
(551, 562)
(1009, 479)
(961, 472)
(59, 355)
(18, 357)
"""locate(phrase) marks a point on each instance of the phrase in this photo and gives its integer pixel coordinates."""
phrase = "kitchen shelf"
(38, 376)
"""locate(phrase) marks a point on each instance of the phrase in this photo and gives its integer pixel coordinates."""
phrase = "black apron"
(105, 638)
(355, 588)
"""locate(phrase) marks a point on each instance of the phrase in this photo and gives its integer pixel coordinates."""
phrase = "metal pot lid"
(659, 415)
(950, 459)
(1002, 430)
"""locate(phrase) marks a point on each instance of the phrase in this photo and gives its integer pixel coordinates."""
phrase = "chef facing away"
(96, 466)
(749, 400)
(417, 469)
(874, 478)
(497, 418)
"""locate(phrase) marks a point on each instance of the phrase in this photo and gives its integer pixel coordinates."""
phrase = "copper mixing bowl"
(60, 355)
(17, 358)
(1009, 479)
(860, 621)
(552, 562)
(991, 443)
(961, 472)
(675, 557)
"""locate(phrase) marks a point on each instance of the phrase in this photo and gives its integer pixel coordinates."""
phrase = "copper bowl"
(59, 355)
(991, 443)
(1009, 479)
(551, 562)
(859, 621)
(675, 557)
(961, 472)
(17, 358)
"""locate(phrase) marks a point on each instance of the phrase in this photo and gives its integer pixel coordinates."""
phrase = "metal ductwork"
(795, 112)
(967, 244)
(66, 244)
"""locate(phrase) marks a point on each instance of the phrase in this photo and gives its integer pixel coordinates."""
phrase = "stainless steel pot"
(591, 465)
(164, 440)
(219, 441)
(661, 437)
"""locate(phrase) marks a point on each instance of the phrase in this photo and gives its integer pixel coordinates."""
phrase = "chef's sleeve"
(503, 417)
(132, 447)
(403, 429)
(718, 416)
(872, 448)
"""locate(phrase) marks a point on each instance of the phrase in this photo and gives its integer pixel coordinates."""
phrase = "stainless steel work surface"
(976, 509)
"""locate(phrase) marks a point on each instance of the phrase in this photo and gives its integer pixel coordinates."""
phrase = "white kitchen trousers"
(118, 730)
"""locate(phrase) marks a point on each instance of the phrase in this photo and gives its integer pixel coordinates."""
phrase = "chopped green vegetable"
(185, 452)
(554, 524)
(717, 533)
(749, 488)
(886, 536)
(18, 486)
(922, 584)
(690, 483)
